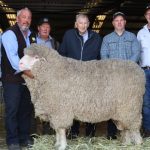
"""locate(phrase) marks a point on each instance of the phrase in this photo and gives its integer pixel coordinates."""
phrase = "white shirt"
(143, 37)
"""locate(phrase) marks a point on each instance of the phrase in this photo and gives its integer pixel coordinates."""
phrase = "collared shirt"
(45, 42)
(0, 41)
(0, 44)
(143, 37)
(124, 46)
(85, 36)
(10, 44)
(0, 55)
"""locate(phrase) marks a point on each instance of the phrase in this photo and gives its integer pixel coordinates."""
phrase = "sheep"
(64, 89)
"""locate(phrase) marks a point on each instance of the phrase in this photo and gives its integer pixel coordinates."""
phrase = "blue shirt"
(0, 45)
(0, 54)
(125, 46)
(10, 44)
(45, 42)
(85, 36)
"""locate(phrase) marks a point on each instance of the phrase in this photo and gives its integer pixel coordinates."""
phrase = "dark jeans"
(90, 129)
(146, 102)
(111, 129)
(18, 109)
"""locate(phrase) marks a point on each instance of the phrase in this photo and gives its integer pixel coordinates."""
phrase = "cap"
(119, 14)
(147, 8)
(43, 20)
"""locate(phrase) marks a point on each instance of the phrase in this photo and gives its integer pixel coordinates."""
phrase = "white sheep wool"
(93, 91)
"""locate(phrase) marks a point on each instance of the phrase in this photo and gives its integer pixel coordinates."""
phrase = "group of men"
(79, 43)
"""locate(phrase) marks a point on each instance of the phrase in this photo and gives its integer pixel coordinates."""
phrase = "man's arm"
(135, 50)
(104, 49)
(10, 44)
(63, 46)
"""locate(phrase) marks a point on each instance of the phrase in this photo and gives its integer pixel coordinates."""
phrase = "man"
(44, 29)
(44, 37)
(143, 37)
(84, 45)
(17, 99)
(119, 44)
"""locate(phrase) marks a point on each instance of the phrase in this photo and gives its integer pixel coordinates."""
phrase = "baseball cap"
(147, 8)
(119, 14)
(43, 20)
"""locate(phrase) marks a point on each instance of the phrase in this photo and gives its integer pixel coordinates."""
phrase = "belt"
(146, 68)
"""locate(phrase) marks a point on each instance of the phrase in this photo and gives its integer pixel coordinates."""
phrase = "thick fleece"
(93, 91)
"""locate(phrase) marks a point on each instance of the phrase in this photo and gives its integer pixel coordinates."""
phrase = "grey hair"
(82, 16)
(19, 11)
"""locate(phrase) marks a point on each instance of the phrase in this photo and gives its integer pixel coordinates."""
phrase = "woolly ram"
(64, 89)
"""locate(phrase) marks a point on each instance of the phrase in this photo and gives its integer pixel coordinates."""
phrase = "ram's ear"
(28, 51)
(31, 50)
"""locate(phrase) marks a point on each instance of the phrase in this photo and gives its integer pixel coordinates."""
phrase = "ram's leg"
(130, 136)
(57, 139)
(130, 132)
(61, 142)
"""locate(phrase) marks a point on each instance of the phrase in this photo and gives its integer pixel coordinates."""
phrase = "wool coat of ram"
(64, 89)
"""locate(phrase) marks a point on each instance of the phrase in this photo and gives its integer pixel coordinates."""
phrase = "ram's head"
(32, 54)
(27, 62)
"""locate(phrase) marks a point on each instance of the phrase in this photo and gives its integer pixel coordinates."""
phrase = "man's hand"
(28, 73)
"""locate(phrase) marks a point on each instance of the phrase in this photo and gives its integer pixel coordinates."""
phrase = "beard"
(24, 28)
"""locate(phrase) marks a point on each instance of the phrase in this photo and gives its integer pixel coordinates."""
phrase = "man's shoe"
(27, 144)
(14, 147)
(47, 129)
(72, 136)
(111, 137)
(146, 134)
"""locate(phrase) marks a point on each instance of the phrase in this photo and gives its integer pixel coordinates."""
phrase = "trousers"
(18, 108)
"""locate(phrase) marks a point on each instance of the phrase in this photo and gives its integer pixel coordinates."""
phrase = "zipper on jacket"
(82, 45)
